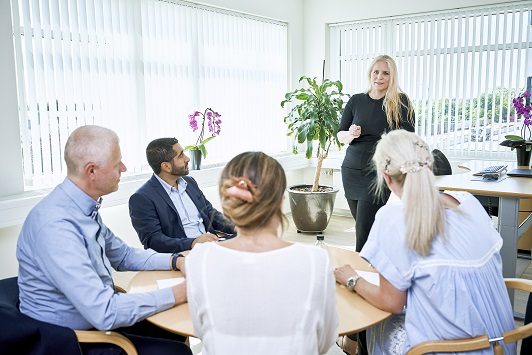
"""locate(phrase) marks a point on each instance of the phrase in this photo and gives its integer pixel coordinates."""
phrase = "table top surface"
(354, 312)
(510, 186)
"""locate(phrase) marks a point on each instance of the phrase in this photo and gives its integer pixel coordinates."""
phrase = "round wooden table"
(355, 314)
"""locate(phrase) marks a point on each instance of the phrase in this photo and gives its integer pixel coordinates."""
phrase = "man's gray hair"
(88, 144)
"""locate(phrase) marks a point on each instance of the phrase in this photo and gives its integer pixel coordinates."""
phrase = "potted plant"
(314, 118)
(522, 144)
(213, 123)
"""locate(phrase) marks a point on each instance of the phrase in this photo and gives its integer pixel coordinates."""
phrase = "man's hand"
(343, 273)
(180, 293)
(207, 237)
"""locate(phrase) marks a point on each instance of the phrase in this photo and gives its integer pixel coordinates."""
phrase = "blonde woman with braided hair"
(438, 255)
(255, 293)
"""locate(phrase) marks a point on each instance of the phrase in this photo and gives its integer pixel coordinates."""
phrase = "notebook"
(520, 173)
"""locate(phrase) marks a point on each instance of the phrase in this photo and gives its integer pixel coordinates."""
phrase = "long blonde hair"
(392, 100)
(407, 160)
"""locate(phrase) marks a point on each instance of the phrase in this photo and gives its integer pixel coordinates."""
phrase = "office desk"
(509, 191)
(354, 312)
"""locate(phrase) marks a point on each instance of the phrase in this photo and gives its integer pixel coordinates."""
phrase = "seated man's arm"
(68, 276)
(147, 222)
(215, 220)
(221, 223)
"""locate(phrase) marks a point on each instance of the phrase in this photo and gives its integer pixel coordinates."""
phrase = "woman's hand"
(355, 131)
(346, 137)
(343, 273)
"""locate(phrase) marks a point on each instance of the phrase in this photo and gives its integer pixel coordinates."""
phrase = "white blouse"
(277, 302)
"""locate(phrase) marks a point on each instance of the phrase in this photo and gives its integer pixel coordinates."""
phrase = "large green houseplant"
(314, 118)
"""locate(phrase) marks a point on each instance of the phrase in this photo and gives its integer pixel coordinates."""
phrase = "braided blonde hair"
(407, 160)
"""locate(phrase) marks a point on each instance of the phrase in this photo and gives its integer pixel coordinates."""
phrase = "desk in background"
(354, 312)
(525, 205)
(509, 192)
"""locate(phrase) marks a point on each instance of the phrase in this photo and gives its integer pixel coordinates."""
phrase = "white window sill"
(15, 208)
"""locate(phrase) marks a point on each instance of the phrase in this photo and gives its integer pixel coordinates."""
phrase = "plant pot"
(195, 159)
(523, 155)
(311, 211)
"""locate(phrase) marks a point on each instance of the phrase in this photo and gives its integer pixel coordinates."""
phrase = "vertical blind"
(140, 67)
(461, 68)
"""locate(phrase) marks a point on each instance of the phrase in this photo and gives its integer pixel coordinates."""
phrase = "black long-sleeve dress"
(357, 172)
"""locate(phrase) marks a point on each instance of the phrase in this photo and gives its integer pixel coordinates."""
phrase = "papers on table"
(166, 283)
(371, 277)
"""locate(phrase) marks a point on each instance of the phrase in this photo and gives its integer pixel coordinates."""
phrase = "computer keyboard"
(491, 169)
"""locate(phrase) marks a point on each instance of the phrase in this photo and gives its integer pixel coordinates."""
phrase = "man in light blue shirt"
(66, 253)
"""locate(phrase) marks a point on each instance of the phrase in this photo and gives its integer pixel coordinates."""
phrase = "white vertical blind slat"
(455, 61)
(140, 68)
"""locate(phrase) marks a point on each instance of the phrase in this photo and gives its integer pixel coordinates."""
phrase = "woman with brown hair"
(255, 293)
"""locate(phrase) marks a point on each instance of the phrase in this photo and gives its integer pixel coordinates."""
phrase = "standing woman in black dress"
(366, 117)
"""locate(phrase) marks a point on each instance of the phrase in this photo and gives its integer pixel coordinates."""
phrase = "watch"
(352, 281)
(176, 256)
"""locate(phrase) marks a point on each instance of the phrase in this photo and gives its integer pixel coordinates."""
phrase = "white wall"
(10, 158)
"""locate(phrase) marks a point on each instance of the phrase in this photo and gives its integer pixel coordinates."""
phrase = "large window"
(461, 68)
(141, 67)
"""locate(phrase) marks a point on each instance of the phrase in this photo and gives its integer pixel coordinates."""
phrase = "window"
(461, 69)
(140, 68)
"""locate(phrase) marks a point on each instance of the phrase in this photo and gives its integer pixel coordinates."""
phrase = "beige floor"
(341, 232)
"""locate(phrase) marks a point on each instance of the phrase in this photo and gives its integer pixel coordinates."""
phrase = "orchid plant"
(213, 124)
(523, 108)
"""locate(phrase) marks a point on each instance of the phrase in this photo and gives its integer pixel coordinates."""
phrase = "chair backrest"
(441, 163)
(480, 342)
(20, 334)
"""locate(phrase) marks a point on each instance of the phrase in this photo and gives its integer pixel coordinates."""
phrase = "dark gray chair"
(441, 163)
(443, 167)
(20, 334)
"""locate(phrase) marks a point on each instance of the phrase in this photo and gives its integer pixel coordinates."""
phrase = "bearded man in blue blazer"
(169, 212)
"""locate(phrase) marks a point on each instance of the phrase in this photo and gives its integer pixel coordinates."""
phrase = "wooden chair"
(480, 342)
(20, 334)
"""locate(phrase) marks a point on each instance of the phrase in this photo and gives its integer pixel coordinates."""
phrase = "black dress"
(357, 171)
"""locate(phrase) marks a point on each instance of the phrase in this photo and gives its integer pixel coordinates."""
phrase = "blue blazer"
(157, 221)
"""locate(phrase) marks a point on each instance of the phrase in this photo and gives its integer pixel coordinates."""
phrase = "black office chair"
(443, 167)
(441, 164)
(20, 334)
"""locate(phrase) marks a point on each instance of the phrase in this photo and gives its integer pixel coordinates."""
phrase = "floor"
(341, 232)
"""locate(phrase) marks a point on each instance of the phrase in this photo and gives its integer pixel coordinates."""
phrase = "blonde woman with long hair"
(384, 107)
(439, 251)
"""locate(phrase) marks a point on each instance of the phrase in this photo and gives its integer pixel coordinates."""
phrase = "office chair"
(20, 334)
(443, 167)
(441, 163)
(480, 342)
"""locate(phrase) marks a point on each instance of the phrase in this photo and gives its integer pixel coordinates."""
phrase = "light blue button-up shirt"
(187, 210)
(64, 266)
